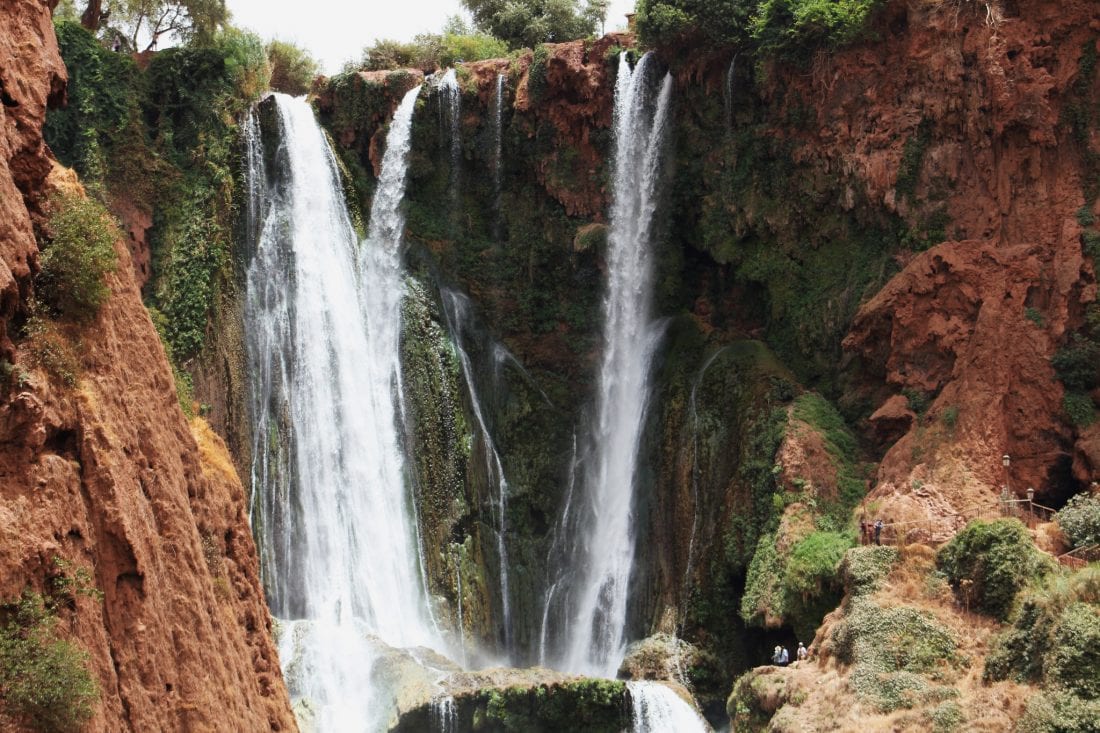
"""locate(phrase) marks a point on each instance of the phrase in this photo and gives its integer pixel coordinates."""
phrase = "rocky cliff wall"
(105, 475)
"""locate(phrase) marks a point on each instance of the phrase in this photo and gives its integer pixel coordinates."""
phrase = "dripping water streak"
(596, 636)
(456, 307)
(728, 97)
(498, 135)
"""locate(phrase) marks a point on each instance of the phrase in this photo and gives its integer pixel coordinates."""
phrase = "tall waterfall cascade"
(334, 520)
(604, 558)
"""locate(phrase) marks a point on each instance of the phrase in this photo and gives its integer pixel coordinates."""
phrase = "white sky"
(335, 31)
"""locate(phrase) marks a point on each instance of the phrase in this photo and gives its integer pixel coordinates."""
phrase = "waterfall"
(334, 520)
(498, 135)
(657, 709)
(605, 558)
(727, 98)
(457, 310)
(444, 714)
(451, 103)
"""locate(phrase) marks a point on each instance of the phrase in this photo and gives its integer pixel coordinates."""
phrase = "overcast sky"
(336, 31)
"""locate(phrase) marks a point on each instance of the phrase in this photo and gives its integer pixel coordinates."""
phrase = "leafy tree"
(136, 20)
(431, 51)
(676, 22)
(527, 23)
(292, 68)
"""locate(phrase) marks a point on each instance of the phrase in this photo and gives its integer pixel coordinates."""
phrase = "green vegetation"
(44, 679)
(1080, 520)
(790, 29)
(131, 20)
(292, 68)
(1053, 641)
(896, 654)
(432, 51)
(587, 705)
(988, 563)
(912, 158)
(51, 348)
(77, 257)
(527, 23)
(163, 141)
(864, 568)
(843, 450)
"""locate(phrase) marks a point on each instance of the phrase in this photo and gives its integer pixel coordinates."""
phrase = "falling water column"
(596, 633)
(332, 512)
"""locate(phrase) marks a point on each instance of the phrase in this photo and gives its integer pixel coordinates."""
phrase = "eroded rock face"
(971, 323)
(108, 476)
(31, 77)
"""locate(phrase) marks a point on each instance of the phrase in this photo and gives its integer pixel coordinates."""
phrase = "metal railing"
(935, 532)
(1080, 557)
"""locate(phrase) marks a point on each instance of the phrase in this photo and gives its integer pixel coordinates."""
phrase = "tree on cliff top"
(136, 20)
(527, 23)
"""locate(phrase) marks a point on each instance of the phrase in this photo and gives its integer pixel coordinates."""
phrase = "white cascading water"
(498, 151)
(457, 309)
(657, 709)
(727, 97)
(332, 510)
(452, 103)
(596, 630)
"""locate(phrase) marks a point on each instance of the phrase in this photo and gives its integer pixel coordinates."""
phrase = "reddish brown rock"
(892, 420)
(991, 94)
(107, 474)
(31, 76)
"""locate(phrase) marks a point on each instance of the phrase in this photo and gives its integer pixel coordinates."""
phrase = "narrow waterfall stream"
(457, 309)
(596, 631)
(334, 519)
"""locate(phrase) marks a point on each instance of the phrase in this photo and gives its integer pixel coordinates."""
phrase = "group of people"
(781, 658)
(870, 532)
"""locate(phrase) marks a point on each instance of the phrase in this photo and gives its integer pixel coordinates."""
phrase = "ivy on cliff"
(163, 141)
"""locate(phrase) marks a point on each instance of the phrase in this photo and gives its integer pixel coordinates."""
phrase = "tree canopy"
(145, 21)
(527, 23)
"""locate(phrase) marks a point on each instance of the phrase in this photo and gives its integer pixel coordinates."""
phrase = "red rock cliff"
(109, 476)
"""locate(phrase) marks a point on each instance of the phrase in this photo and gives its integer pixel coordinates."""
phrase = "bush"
(864, 568)
(996, 559)
(1077, 363)
(1059, 712)
(44, 680)
(51, 349)
(715, 23)
(76, 259)
(292, 68)
(1080, 520)
(1074, 659)
(813, 561)
(793, 28)
(1026, 651)
(891, 650)
(1079, 409)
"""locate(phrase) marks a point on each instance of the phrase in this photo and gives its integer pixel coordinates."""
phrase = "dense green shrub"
(292, 68)
(44, 680)
(895, 652)
(1074, 659)
(77, 257)
(432, 51)
(102, 112)
(864, 568)
(527, 23)
(675, 22)
(1080, 520)
(1057, 711)
(987, 564)
(1026, 651)
(812, 564)
(1079, 409)
(1077, 363)
(792, 29)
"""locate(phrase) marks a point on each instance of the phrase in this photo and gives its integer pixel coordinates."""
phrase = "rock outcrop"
(106, 475)
(31, 78)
